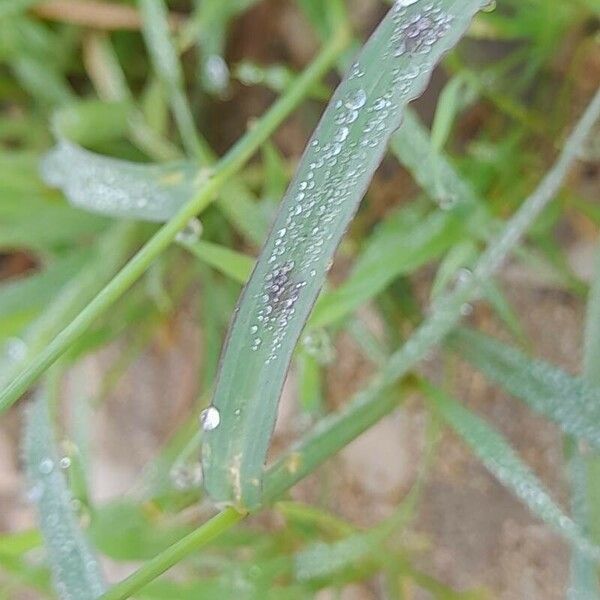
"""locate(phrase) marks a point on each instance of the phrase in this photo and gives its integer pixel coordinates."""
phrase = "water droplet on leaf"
(210, 418)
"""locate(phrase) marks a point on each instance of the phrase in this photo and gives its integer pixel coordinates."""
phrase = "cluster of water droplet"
(316, 213)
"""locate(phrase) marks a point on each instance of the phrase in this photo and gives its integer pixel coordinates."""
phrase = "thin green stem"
(231, 163)
(175, 553)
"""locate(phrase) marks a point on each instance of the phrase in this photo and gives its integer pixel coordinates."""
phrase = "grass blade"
(234, 264)
(229, 165)
(166, 64)
(119, 188)
(331, 179)
(584, 466)
(569, 401)
(501, 460)
(74, 566)
(405, 241)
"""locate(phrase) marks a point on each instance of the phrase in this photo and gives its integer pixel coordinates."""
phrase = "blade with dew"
(346, 148)
(569, 401)
(119, 188)
(74, 566)
(501, 460)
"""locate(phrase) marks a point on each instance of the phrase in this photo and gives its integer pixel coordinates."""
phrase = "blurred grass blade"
(569, 401)
(75, 568)
(584, 465)
(234, 264)
(403, 242)
(23, 298)
(118, 188)
(166, 64)
(430, 168)
(500, 459)
(323, 560)
(110, 253)
(591, 355)
(345, 150)
(448, 106)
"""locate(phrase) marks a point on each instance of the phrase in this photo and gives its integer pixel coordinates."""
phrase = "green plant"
(113, 270)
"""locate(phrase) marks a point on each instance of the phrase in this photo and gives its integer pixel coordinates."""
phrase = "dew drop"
(35, 493)
(191, 232)
(466, 310)
(356, 99)
(65, 462)
(210, 418)
(46, 466)
(464, 275)
(217, 72)
(16, 349)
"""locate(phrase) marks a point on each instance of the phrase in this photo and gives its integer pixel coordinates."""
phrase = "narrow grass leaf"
(583, 467)
(343, 153)
(431, 169)
(402, 243)
(118, 188)
(447, 108)
(234, 264)
(501, 460)
(166, 64)
(22, 298)
(74, 566)
(569, 401)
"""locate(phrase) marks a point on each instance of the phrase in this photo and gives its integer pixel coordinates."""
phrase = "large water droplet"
(217, 72)
(210, 418)
(356, 99)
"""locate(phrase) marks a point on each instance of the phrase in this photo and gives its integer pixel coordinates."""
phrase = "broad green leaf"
(569, 401)
(331, 179)
(74, 566)
(500, 459)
